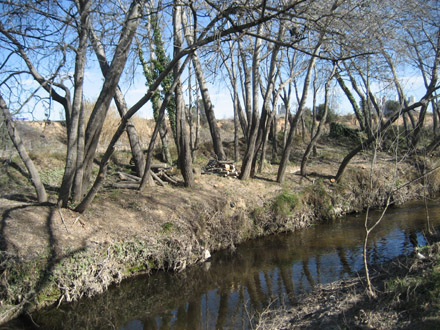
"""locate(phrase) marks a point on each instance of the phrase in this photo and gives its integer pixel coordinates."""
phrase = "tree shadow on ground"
(43, 269)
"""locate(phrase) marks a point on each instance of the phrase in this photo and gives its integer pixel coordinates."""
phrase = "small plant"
(285, 203)
(167, 227)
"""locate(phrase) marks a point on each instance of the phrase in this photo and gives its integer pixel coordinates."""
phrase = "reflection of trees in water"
(286, 276)
(222, 311)
(309, 276)
(346, 269)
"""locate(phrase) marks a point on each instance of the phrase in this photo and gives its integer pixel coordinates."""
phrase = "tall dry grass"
(144, 128)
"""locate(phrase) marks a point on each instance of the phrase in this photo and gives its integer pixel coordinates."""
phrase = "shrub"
(285, 203)
(332, 116)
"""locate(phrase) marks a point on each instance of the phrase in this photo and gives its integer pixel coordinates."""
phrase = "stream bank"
(407, 297)
(50, 256)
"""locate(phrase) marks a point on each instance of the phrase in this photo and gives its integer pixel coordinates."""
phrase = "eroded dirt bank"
(55, 255)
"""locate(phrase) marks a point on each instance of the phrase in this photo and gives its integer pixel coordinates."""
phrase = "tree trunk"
(16, 140)
(121, 105)
(250, 150)
(73, 142)
(352, 101)
(247, 90)
(274, 137)
(286, 152)
(185, 160)
(97, 117)
(78, 189)
(209, 110)
(315, 138)
(236, 125)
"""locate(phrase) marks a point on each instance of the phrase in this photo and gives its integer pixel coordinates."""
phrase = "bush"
(285, 203)
(332, 116)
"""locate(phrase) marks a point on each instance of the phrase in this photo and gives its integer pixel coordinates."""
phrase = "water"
(227, 291)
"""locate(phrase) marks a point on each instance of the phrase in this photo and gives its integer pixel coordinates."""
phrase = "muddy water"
(228, 290)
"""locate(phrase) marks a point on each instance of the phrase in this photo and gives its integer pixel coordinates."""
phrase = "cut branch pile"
(159, 172)
(221, 167)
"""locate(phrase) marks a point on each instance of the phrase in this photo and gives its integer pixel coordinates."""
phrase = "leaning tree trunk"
(209, 110)
(352, 101)
(99, 113)
(15, 137)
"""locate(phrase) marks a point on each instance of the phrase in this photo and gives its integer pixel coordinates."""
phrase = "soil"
(51, 255)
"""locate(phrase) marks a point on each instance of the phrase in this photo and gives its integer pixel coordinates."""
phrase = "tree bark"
(73, 142)
(185, 160)
(352, 101)
(254, 122)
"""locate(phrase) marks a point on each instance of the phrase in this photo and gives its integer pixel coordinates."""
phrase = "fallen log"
(169, 179)
(158, 180)
(126, 176)
(126, 185)
(160, 167)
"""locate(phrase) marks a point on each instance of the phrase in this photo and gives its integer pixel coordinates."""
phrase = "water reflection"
(226, 292)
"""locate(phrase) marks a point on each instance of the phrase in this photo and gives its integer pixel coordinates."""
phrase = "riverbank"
(407, 297)
(51, 255)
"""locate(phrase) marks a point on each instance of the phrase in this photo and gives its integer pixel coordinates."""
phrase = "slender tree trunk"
(197, 132)
(185, 161)
(352, 101)
(97, 117)
(16, 140)
(286, 152)
(236, 125)
(250, 150)
(77, 186)
(316, 137)
(121, 105)
(247, 91)
(209, 109)
(274, 137)
(73, 145)
(434, 118)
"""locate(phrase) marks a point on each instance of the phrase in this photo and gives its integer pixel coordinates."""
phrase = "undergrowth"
(418, 293)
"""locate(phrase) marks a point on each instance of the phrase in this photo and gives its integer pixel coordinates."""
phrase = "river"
(227, 291)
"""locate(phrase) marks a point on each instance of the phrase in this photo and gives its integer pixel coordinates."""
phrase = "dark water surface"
(227, 291)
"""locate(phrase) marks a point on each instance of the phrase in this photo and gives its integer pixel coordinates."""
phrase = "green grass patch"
(285, 203)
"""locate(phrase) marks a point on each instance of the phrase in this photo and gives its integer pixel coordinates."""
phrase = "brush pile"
(160, 173)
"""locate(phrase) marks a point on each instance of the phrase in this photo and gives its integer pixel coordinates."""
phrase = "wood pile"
(160, 173)
(224, 168)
